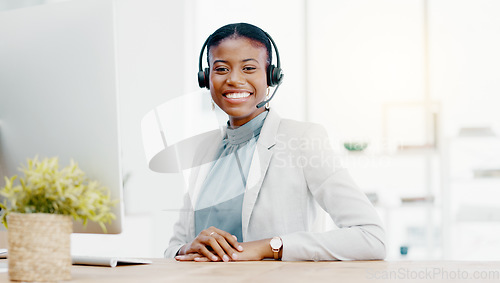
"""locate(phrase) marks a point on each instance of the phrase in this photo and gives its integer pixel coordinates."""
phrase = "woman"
(257, 193)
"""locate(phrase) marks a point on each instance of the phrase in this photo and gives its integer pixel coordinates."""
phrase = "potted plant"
(37, 212)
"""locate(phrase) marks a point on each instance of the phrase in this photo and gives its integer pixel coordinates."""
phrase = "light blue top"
(221, 198)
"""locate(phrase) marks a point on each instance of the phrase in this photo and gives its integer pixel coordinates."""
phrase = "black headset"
(274, 74)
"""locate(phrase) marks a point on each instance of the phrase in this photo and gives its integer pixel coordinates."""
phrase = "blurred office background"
(418, 81)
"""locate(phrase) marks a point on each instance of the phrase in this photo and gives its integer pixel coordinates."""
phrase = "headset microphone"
(272, 95)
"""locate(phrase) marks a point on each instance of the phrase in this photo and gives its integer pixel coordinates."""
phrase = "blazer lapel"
(258, 168)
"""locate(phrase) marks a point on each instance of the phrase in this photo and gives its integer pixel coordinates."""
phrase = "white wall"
(464, 44)
(363, 54)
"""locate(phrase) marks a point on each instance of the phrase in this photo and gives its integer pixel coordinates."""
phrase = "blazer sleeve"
(360, 235)
(181, 229)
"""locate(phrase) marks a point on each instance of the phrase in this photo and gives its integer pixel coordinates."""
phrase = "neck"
(240, 121)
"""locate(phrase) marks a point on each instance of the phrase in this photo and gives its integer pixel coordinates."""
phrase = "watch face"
(276, 243)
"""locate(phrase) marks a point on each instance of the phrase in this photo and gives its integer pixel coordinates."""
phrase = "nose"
(236, 78)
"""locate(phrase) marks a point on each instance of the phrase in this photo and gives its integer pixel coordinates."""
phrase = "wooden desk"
(165, 270)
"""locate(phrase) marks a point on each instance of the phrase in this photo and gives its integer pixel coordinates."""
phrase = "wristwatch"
(276, 245)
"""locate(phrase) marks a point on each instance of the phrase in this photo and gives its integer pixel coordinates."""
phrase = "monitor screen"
(58, 92)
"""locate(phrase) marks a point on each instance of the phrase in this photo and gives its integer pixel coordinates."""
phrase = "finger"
(236, 244)
(205, 252)
(203, 259)
(188, 257)
(231, 239)
(223, 244)
(226, 248)
(221, 247)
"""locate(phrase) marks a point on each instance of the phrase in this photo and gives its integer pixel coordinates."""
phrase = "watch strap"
(276, 250)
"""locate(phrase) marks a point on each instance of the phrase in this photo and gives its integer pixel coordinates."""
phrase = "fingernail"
(235, 256)
(225, 258)
(214, 258)
(240, 248)
(236, 238)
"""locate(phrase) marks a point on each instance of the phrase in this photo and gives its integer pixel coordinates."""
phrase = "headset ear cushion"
(270, 71)
(273, 75)
(203, 78)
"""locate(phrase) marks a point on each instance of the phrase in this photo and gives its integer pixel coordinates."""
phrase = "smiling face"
(238, 78)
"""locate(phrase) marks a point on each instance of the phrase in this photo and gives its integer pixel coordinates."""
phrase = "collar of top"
(246, 131)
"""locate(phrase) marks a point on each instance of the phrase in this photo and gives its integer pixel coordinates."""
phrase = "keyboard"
(107, 261)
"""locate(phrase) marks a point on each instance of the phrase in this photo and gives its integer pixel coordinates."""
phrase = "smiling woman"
(247, 201)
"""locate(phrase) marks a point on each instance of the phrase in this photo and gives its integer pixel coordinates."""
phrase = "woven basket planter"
(39, 247)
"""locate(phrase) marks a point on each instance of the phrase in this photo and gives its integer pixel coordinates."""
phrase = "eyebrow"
(250, 59)
(244, 60)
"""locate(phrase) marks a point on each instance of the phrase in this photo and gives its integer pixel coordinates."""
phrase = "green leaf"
(45, 188)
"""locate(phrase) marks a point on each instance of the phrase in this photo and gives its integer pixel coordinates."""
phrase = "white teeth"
(238, 95)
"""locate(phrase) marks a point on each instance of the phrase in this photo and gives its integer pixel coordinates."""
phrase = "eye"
(221, 69)
(249, 68)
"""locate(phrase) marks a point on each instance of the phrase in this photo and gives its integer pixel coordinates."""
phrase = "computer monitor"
(58, 92)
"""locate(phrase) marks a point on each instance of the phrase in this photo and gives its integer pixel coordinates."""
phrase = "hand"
(256, 250)
(213, 244)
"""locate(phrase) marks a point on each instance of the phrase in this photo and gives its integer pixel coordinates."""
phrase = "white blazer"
(292, 171)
